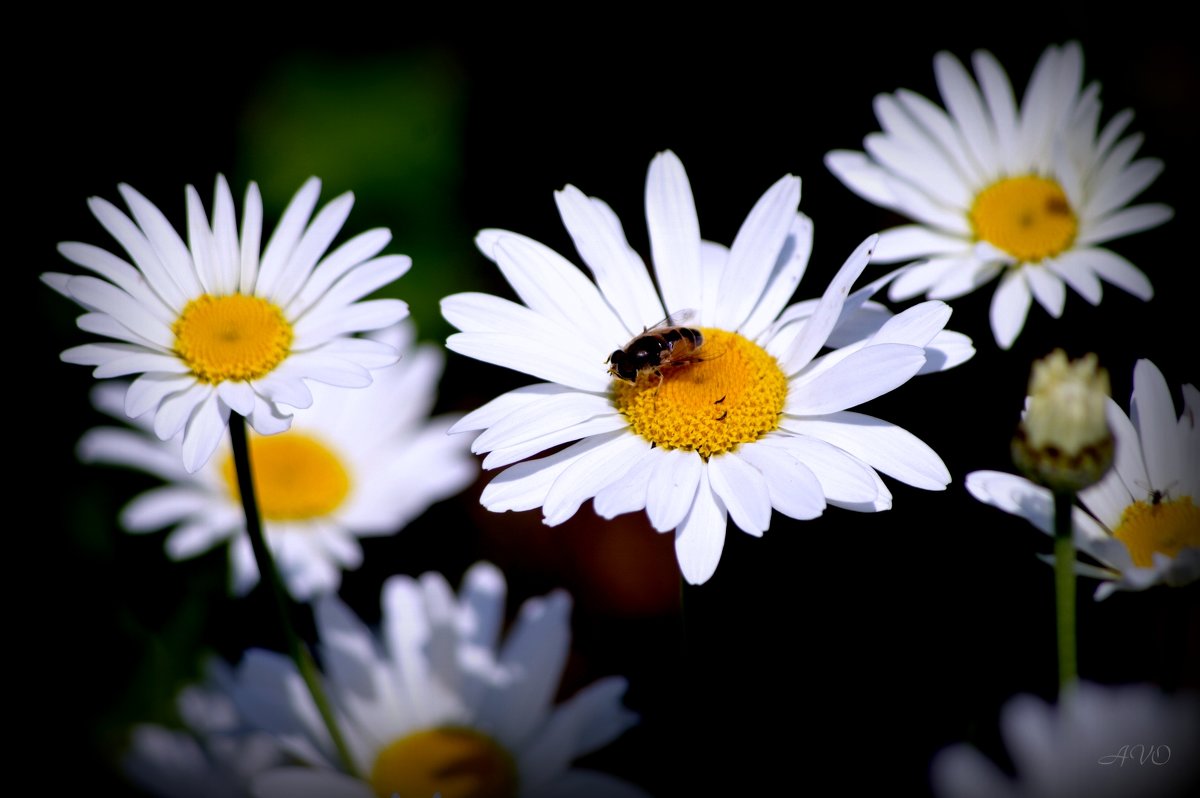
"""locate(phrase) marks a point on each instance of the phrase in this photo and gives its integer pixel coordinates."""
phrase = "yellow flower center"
(1027, 217)
(234, 337)
(296, 477)
(451, 761)
(1166, 527)
(733, 395)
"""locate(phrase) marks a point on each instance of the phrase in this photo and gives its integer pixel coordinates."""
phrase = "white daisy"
(214, 757)
(211, 327)
(1141, 521)
(1027, 194)
(356, 464)
(431, 706)
(760, 421)
(1099, 741)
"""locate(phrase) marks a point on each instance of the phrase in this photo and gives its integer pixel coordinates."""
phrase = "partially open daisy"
(356, 464)
(1026, 193)
(1141, 521)
(429, 706)
(211, 327)
(739, 417)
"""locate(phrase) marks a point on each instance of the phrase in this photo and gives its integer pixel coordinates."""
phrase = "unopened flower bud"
(1063, 441)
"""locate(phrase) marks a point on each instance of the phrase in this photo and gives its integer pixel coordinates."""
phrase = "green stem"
(270, 576)
(1064, 585)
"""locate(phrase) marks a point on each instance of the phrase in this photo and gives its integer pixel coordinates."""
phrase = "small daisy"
(754, 420)
(212, 328)
(1141, 521)
(1099, 741)
(356, 464)
(214, 757)
(429, 705)
(1027, 194)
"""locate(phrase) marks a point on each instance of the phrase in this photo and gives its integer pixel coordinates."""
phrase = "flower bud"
(1063, 441)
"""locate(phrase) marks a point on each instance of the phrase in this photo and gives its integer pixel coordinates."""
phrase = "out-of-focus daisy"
(431, 706)
(1141, 521)
(356, 464)
(752, 419)
(1026, 193)
(1099, 741)
(214, 757)
(211, 327)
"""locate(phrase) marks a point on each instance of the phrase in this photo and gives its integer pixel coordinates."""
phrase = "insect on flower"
(667, 344)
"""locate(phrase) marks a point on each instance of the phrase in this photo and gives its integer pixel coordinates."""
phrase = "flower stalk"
(1064, 589)
(296, 649)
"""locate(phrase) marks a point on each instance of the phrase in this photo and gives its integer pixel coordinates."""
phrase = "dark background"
(851, 647)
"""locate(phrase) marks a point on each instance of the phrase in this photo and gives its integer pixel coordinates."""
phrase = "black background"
(851, 647)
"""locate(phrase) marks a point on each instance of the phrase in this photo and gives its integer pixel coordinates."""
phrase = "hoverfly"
(666, 344)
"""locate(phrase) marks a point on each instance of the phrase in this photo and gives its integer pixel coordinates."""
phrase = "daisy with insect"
(733, 415)
(1140, 522)
(1025, 194)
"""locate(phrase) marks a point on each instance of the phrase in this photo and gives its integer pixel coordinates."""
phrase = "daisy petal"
(859, 377)
(1112, 268)
(619, 271)
(286, 236)
(294, 782)
(204, 432)
(914, 241)
(628, 493)
(700, 538)
(1152, 412)
(861, 176)
(309, 249)
(1047, 288)
(793, 488)
(506, 403)
(1074, 269)
(789, 270)
(676, 477)
(1014, 495)
(1125, 222)
(525, 485)
(554, 288)
(743, 491)
(554, 411)
(966, 108)
(843, 478)
(589, 474)
(887, 447)
(821, 323)
(920, 277)
(674, 232)
(1010, 305)
(755, 251)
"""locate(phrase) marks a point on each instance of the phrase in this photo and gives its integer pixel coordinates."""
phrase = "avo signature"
(1138, 754)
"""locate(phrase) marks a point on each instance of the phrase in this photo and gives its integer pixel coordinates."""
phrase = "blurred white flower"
(358, 463)
(1099, 742)
(435, 703)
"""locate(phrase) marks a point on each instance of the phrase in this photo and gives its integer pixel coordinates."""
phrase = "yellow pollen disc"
(1167, 528)
(296, 477)
(233, 337)
(733, 395)
(451, 761)
(1027, 217)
